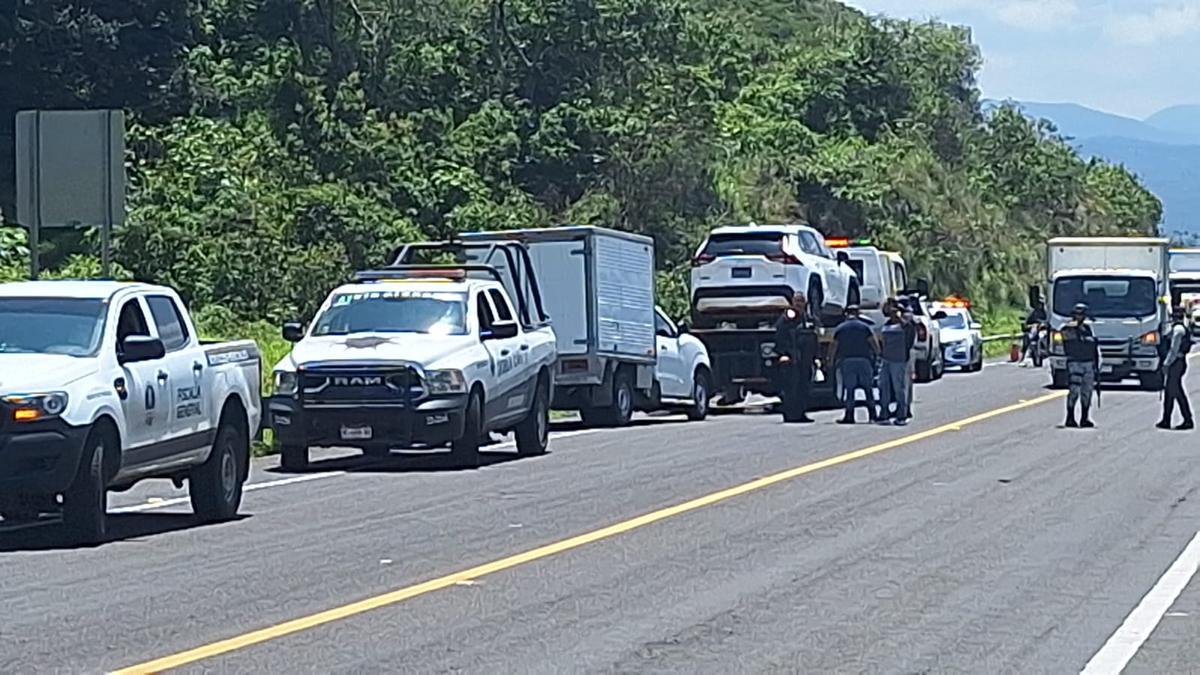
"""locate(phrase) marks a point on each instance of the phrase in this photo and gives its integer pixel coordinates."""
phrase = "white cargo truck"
(1124, 282)
(598, 288)
(1185, 279)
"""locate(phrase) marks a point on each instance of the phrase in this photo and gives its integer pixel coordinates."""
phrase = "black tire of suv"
(85, 503)
(533, 433)
(816, 304)
(464, 451)
(215, 487)
(701, 391)
(293, 458)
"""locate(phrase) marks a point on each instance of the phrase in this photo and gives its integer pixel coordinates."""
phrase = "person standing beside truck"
(1033, 326)
(854, 349)
(897, 340)
(796, 340)
(1083, 366)
(1179, 339)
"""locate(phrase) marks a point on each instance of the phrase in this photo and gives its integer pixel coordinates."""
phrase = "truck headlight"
(442, 382)
(286, 382)
(1150, 338)
(34, 407)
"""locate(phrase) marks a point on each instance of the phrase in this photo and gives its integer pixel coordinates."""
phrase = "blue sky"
(1131, 57)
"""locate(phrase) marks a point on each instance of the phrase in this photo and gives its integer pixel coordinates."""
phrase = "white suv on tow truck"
(418, 356)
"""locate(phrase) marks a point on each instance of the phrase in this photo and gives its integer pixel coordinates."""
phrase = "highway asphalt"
(982, 538)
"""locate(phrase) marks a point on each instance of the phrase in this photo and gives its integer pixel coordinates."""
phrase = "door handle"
(504, 352)
(524, 348)
(197, 367)
(162, 376)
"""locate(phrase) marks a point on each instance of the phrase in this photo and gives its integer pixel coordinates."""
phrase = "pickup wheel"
(464, 451)
(85, 503)
(215, 486)
(701, 392)
(533, 434)
(293, 458)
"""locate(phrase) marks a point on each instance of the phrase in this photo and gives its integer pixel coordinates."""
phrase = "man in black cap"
(796, 343)
(854, 350)
(1083, 365)
(1179, 342)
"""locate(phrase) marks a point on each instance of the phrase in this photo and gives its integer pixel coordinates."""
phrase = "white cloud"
(1161, 23)
(1036, 15)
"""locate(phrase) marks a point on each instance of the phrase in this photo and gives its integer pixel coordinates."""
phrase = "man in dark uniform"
(1083, 365)
(796, 343)
(1175, 363)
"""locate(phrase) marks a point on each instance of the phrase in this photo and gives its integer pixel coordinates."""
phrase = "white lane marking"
(158, 503)
(1141, 622)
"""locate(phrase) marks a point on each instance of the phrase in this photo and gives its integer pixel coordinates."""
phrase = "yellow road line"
(402, 594)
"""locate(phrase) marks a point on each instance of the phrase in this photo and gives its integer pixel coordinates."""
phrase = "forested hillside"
(277, 144)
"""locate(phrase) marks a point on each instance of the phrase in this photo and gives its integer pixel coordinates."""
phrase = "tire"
(620, 412)
(854, 295)
(701, 392)
(533, 433)
(85, 503)
(1058, 379)
(293, 458)
(924, 371)
(464, 450)
(816, 303)
(215, 487)
(1151, 381)
(1038, 358)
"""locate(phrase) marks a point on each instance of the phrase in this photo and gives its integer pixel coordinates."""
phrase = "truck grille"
(366, 385)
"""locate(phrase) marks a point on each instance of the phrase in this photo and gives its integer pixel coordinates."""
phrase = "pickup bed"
(104, 384)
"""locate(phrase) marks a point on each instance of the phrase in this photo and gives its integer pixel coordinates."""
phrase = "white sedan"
(962, 339)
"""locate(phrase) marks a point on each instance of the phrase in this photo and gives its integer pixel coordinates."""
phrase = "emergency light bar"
(846, 242)
(955, 301)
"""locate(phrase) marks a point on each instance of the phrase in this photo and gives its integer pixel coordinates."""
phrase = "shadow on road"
(50, 536)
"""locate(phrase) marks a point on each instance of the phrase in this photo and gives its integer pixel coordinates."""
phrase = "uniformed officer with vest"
(1178, 343)
(796, 343)
(1083, 365)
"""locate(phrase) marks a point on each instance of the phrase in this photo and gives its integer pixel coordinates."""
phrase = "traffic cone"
(1014, 354)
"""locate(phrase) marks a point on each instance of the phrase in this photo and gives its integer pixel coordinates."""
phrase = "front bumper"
(431, 422)
(1116, 368)
(39, 458)
(959, 354)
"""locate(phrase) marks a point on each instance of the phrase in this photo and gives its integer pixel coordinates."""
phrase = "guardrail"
(997, 338)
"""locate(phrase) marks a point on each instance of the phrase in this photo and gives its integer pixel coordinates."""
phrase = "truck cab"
(416, 356)
(1124, 282)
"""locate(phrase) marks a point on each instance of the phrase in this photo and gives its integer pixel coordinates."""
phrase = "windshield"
(1106, 297)
(1185, 262)
(394, 312)
(69, 326)
(953, 320)
(744, 243)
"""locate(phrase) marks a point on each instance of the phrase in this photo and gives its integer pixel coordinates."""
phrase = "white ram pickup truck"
(416, 356)
(104, 384)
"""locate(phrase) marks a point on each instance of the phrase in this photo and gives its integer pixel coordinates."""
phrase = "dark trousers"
(796, 388)
(1176, 393)
(858, 373)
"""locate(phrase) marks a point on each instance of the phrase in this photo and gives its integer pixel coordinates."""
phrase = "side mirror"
(139, 348)
(923, 287)
(293, 331)
(500, 331)
(843, 258)
(939, 315)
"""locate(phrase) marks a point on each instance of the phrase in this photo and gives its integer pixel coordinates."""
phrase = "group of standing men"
(856, 349)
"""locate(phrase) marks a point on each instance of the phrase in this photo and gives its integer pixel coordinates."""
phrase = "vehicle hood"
(425, 350)
(33, 373)
(955, 334)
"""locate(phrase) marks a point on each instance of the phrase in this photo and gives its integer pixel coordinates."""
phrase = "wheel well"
(108, 427)
(703, 368)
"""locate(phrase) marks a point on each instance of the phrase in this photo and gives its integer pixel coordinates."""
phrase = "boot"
(1187, 425)
(1164, 424)
(1084, 421)
(1071, 423)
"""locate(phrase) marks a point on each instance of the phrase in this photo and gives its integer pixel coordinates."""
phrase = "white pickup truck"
(419, 356)
(104, 384)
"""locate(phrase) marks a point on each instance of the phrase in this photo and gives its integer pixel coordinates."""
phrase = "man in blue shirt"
(854, 350)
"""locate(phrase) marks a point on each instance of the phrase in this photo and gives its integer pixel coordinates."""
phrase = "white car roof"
(749, 229)
(94, 290)
(417, 285)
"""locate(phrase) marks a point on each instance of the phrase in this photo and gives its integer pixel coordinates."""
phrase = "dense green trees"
(278, 144)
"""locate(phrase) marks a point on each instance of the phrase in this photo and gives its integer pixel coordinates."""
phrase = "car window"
(662, 326)
(131, 321)
(808, 242)
(900, 276)
(503, 310)
(171, 328)
(743, 243)
(484, 309)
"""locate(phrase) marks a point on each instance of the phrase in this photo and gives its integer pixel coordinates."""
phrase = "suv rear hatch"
(743, 271)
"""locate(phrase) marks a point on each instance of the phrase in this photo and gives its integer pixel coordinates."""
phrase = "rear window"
(744, 243)
(859, 269)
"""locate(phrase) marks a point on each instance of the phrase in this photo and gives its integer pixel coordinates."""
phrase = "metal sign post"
(70, 172)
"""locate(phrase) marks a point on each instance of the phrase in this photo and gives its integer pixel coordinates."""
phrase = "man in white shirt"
(1175, 367)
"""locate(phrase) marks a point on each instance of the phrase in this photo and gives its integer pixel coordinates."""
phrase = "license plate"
(1106, 369)
(741, 272)
(363, 433)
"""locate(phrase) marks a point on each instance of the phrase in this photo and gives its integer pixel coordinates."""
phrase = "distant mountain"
(1163, 150)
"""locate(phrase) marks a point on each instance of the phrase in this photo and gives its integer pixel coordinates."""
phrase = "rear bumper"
(39, 458)
(433, 422)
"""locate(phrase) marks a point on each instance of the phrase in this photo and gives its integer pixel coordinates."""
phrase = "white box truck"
(1124, 282)
(1185, 279)
(598, 288)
